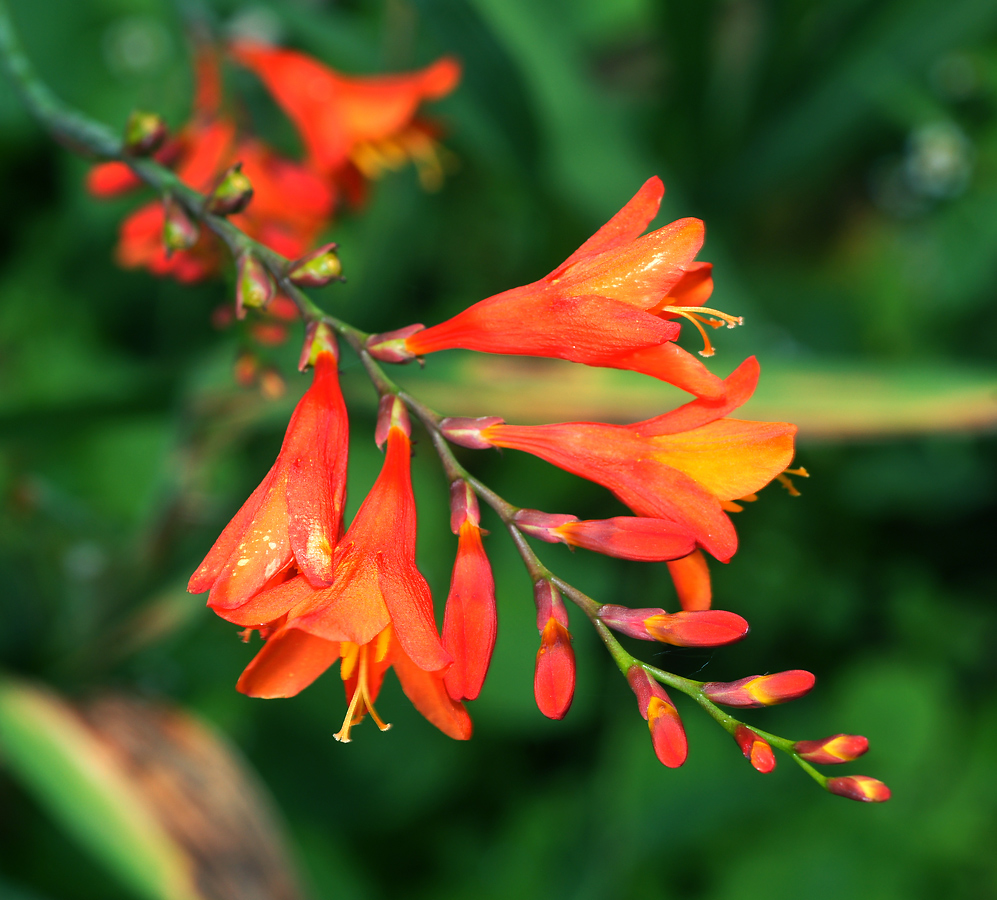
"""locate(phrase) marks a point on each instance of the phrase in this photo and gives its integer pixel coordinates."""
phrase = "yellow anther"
(704, 315)
(356, 658)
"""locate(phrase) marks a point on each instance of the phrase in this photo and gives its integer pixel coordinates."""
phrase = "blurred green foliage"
(844, 157)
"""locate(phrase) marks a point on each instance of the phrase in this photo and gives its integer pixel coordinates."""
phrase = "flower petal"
(429, 695)
(288, 662)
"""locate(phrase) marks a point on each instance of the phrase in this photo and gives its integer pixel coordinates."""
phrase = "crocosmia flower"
(294, 518)
(367, 122)
(612, 303)
(681, 466)
(376, 612)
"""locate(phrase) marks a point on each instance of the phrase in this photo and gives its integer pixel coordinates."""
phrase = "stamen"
(356, 659)
(343, 735)
(784, 479)
(698, 316)
(368, 702)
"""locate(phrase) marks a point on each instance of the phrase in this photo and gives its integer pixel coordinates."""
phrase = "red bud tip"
(859, 787)
(144, 133)
(463, 506)
(756, 750)
(761, 690)
(319, 339)
(663, 721)
(232, 195)
(700, 628)
(391, 413)
(470, 621)
(390, 346)
(466, 432)
(179, 231)
(629, 621)
(838, 748)
(316, 269)
(542, 525)
(628, 537)
(554, 676)
(254, 288)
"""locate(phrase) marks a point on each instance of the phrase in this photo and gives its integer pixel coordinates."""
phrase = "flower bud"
(702, 628)
(859, 787)
(667, 732)
(272, 384)
(838, 748)
(554, 675)
(144, 133)
(466, 432)
(761, 690)
(755, 749)
(269, 334)
(254, 288)
(391, 413)
(180, 232)
(629, 537)
(319, 338)
(232, 195)
(246, 369)
(316, 269)
(390, 346)
(692, 581)
(463, 505)
(470, 620)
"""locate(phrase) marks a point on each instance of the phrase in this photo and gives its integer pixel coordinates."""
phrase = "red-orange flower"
(291, 203)
(681, 466)
(367, 122)
(376, 612)
(295, 515)
(611, 303)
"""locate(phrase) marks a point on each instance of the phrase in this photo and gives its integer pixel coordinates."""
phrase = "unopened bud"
(663, 721)
(755, 749)
(269, 334)
(391, 413)
(144, 133)
(838, 748)
(233, 193)
(245, 370)
(554, 675)
(702, 628)
(254, 288)
(761, 690)
(629, 537)
(319, 338)
(542, 525)
(463, 506)
(467, 432)
(272, 384)
(859, 787)
(316, 269)
(390, 346)
(180, 232)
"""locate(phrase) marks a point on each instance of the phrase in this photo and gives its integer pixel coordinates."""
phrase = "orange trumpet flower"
(611, 303)
(376, 612)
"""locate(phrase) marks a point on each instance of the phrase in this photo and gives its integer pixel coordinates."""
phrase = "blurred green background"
(843, 154)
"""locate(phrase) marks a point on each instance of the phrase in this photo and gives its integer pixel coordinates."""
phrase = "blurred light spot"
(84, 561)
(939, 160)
(936, 165)
(954, 77)
(138, 45)
(256, 23)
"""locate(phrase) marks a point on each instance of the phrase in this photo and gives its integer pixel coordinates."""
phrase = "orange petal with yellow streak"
(729, 457)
